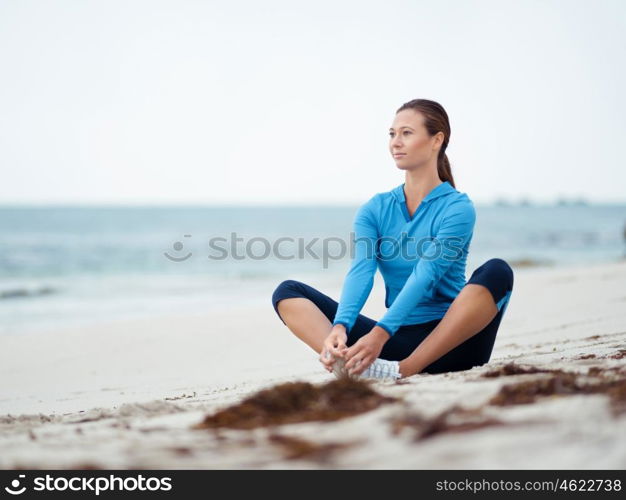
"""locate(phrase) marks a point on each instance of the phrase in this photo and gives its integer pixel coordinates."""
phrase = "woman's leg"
(309, 313)
(465, 335)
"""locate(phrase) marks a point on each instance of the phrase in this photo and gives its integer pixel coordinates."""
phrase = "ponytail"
(443, 168)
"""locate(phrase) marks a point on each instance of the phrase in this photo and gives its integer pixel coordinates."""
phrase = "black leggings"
(495, 274)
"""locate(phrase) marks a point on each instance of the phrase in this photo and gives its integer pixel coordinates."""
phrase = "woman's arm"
(360, 278)
(456, 229)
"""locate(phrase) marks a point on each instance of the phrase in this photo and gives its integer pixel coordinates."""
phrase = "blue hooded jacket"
(421, 258)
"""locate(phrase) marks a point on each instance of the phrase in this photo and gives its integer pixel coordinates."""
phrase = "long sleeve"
(455, 231)
(360, 278)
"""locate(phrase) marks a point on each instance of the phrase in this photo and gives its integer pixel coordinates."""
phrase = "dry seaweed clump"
(605, 371)
(454, 419)
(617, 396)
(559, 383)
(527, 391)
(295, 402)
(513, 369)
(295, 448)
(586, 356)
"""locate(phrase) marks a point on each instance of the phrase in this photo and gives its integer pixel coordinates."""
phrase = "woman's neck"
(417, 185)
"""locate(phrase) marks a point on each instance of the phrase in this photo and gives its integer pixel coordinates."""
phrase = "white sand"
(124, 395)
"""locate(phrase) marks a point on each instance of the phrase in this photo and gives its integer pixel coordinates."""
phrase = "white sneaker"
(382, 369)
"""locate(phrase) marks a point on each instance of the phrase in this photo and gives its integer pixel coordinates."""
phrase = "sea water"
(76, 265)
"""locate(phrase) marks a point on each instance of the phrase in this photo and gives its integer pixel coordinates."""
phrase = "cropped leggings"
(495, 274)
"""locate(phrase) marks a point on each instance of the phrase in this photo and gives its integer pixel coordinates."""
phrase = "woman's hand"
(334, 346)
(365, 351)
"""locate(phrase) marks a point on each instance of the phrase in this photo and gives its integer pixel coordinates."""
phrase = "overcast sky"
(277, 102)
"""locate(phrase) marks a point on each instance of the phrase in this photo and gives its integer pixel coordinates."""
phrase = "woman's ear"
(438, 143)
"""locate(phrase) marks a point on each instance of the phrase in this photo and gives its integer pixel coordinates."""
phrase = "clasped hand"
(357, 357)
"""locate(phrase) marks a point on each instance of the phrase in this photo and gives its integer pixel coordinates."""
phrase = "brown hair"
(435, 120)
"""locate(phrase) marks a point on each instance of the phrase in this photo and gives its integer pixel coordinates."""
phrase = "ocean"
(78, 265)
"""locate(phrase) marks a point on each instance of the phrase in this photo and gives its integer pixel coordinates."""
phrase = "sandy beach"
(131, 394)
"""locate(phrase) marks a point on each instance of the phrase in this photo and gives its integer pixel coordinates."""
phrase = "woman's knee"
(501, 271)
(285, 290)
(497, 276)
(286, 285)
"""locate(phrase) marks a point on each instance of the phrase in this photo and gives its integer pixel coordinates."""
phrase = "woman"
(435, 321)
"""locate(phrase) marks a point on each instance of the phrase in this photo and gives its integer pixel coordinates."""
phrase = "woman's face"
(409, 142)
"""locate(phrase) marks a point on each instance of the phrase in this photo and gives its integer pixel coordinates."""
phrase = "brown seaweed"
(560, 383)
(298, 448)
(586, 356)
(444, 422)
(513, 369)
(294, 402)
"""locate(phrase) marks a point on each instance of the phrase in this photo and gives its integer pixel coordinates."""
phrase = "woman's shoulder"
(375, 207)
(459, 204)
(453, 196)
(460, 195)
(461, 199)
(377, 200)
